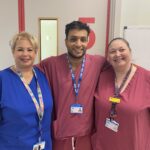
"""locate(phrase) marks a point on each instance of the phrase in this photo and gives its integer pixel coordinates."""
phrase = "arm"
(41, 65)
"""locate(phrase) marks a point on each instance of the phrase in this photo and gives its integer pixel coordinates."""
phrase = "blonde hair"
(24, 36)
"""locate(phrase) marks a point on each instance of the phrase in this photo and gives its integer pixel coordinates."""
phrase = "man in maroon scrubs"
(73, 77)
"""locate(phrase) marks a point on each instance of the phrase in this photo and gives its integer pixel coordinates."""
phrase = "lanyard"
(118, 89)
(113, 112)
(76, 85)
(39, 106)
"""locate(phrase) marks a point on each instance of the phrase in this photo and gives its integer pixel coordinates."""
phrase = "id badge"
(39, 146)
(76, 109)
(112, 124)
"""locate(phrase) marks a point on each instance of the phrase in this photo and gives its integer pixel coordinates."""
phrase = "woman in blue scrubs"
(25, 100)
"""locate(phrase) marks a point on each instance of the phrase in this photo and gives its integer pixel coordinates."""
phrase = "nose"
(78, 42)
(25, 52)
(117, 53)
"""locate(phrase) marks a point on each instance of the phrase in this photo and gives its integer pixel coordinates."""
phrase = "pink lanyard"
(39, 106)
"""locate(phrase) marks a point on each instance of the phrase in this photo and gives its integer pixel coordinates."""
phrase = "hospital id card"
(112, 124)
(39, 146)
(76, 109)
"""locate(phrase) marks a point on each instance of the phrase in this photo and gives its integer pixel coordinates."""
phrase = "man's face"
(76, 43)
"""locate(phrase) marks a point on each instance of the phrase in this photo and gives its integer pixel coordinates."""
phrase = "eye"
(121, 49)
(112, 51)
(83, 39)
(30, 49)
(73, 39)
(19, 49)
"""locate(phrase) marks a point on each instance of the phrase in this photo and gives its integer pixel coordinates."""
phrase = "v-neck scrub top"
(133, 113)
(18, 116)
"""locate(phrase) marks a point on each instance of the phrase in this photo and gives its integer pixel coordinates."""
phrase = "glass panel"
(48, 37)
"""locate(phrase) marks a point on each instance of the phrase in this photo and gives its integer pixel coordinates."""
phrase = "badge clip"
(114, 100)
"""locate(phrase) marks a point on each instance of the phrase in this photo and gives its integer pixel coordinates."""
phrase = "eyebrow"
(24, 47)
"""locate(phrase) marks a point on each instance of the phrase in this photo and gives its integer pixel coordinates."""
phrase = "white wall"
(8, 27)
(65, 10)
(139, 39)
(131, 13)
(124, 13)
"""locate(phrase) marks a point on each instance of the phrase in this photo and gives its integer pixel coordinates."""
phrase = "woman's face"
(119, 54)
(24, 54)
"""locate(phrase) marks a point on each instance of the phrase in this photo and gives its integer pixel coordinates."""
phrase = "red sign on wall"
(92, 34)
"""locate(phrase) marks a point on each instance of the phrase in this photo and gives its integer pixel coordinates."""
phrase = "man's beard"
(77, 57)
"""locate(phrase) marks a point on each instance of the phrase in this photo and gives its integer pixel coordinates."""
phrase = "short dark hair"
(76, 25)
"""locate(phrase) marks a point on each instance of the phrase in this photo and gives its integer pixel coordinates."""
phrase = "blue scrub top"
(18, 115)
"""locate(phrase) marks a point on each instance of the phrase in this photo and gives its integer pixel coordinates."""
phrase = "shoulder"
(53, 59)
(96, 58)
(40, 75)
(50, 61)
(47, 64)
(38, 72)
(6, 76)
(5, 72)
(143, 74)
(142, 71)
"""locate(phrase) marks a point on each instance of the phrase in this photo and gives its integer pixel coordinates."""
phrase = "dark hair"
(122, 39)
(76, 25)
